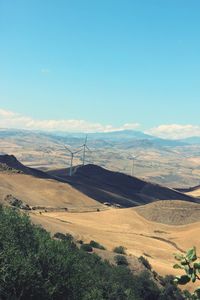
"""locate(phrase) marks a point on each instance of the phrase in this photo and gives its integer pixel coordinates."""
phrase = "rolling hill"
(100, 184)
(38, 189)
(117, 188)
(170, 212)
(13, 163)
(157, 242)
(166, 162)
(69, 204)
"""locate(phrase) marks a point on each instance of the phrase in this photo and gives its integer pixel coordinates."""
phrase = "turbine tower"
(72, 153)
(85, 148)
(133, 164)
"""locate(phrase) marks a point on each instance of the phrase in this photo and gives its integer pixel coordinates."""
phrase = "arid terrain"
(157, 242)
(170, 163)
(156, 230)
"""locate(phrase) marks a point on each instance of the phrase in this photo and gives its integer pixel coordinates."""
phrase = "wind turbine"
(133, 163)
(72, 153)
(85, 148)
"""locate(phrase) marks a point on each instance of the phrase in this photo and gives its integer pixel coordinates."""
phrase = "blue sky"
(106, 62)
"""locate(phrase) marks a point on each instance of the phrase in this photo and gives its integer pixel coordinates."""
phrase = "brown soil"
(171, 212)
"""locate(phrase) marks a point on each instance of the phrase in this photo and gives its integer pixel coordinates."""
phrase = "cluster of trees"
(35, 266)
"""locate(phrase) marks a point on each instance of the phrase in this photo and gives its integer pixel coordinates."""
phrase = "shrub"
(86, 247)
(80, 242)
(119, 250)
(170, 290)
(64, 237)
(97, 245)
(121, 260)
(145, 262)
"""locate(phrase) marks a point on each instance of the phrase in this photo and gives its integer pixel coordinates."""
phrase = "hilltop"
(13, 164)
(170, 212)
(96, 183)
(40, 190)
(117, 188)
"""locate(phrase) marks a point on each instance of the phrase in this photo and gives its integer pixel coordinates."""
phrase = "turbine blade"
(77, 151)
(68, 149)
(88, 148)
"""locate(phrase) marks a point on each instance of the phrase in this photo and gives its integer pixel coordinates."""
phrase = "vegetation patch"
(145, 262)
(120, 250)
(64, 237)
(86, 247)
(121, 260)
(95, 244)
(35, 266)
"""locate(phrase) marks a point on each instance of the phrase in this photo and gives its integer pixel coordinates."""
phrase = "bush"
(119, 250)
(170, 290)
(86, 247)
(80, 242)
(121, 260)
(64, 237)
(97, 245)
(145, 262)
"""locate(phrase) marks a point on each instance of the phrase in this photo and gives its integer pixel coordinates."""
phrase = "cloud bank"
(175, 131)
(9, 119)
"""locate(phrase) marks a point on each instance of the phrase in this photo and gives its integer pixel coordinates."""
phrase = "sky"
(101, 65)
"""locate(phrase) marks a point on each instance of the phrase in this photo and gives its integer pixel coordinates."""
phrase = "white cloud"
(10, 119)
(6, 113)
(175, 131)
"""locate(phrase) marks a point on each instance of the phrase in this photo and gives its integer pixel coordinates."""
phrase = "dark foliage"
(64, 237)
(145, 262)
(119, 250)
(170, 290)
(94, 244)
(121, 260)
(86, 247)
(35, 266)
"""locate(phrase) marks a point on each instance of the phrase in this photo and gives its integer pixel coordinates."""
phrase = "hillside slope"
(89, 181)
(170, 212)
(38, 189)
(114, 187)
(13, 163)
(45, 193)
(126, 227)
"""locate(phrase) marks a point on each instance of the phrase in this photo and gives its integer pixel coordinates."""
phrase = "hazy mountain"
(123, 138)
(194, 140)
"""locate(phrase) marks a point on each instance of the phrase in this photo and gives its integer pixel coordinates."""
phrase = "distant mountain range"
(124, 138)
(195, 140)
